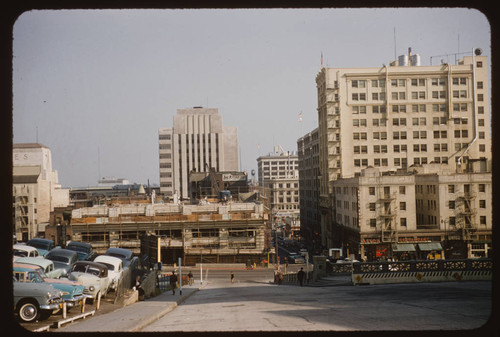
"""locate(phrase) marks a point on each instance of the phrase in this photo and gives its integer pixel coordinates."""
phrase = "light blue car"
(72, 292)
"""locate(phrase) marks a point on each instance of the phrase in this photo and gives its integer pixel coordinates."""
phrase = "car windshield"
(57, 258)
(34, 277)
(21, 253)
(79, 268)
(110, 266)
(39, 245)
(78, 248)
(117, 255)
(93, 271)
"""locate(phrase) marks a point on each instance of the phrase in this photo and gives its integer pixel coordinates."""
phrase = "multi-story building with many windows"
(197, 142)
(36, 190)
(395, 116)
(308, 152)
(429, 212)
(279, 175)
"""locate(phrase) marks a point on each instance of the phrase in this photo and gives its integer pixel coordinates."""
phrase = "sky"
(96, 85)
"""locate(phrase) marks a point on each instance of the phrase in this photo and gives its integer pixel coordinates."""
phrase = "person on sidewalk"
(138, 287)
(191, 279)
(232, 277)
(173, 282)
(300, 276)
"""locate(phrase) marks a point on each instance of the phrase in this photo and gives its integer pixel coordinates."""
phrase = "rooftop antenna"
(98, 163)
(37, 134)
(395, 43)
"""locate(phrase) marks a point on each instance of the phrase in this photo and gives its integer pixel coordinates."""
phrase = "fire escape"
(387, 215)
(465, 214)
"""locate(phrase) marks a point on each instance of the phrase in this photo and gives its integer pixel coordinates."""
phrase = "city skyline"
(97, 91)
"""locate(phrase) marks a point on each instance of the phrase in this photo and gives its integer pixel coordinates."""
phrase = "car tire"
(28, 311)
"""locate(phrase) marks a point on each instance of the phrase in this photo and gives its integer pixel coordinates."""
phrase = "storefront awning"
(428, 246)
(403, 247)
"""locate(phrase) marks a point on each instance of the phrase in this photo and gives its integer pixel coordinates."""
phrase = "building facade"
(210, 233)
(308, 158)
(429, 212)
(279, 174)
(36, 190)
(392, 117)
(197, 142)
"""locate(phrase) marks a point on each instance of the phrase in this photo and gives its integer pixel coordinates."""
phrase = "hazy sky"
(92, 82)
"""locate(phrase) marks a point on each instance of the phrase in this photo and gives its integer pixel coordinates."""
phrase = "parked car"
(46, 265)
(295, 258)
(72, 292)
(93, 275)
(83, 249)
(115, 269)
(126, 255)
(63, 259)
(35, 300)
(22, 250)
(43, 245)
(346, 260)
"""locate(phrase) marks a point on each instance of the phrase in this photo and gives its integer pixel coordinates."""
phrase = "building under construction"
(210, 233)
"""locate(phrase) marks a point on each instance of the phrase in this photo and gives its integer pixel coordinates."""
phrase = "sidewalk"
(133, 317)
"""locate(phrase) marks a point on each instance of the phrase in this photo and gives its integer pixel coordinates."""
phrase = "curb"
(162, 313)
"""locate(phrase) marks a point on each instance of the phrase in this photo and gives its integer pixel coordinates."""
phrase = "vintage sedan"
(63, 259)
(43, 245)
(22, 250)
(93, 275)
(126, 255)
(35, 300)
(46, 265)
(72, 292)
(115, 269)
(83, 249)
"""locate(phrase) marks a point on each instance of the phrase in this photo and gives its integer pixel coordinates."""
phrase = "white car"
(93, 276)
(115, 269)
(21, 250)
(346, 261)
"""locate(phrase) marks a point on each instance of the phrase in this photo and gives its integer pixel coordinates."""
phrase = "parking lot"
(107, 305)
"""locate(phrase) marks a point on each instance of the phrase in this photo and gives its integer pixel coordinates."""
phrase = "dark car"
(83, 249)
(42, 245)
(63, 259)
(126, 255)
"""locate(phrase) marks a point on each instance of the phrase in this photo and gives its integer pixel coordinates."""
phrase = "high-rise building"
(197, 142)
(404, 114)
(279, 175)
(308, 153)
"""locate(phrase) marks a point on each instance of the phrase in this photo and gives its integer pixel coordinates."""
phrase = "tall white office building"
(197, 142)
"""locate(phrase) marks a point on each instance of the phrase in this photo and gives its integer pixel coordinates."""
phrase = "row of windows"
(415, 121)
(395, 108)
(414, 82)
(401, 95)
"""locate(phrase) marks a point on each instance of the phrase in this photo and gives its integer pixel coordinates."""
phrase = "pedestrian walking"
(191, 279)
(300, 276)
(232, 277)
(173, 282)
(138, 287)
(280, 277)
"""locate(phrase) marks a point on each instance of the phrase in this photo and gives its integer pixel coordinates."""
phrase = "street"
(261, 306)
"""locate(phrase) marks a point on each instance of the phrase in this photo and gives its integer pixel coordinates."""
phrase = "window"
(402, 206)
(373, 223)
(403, 222)
(371, 190)
(482, 203)
(402, 189)
(451, 188)
(372, 206)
